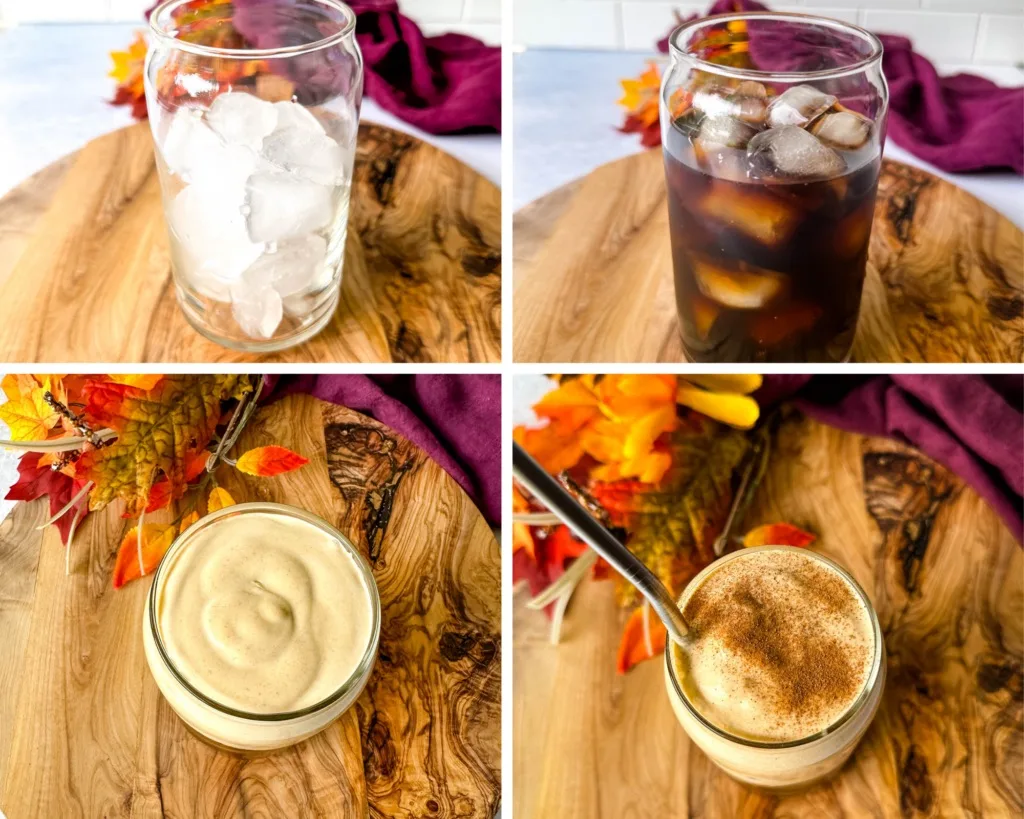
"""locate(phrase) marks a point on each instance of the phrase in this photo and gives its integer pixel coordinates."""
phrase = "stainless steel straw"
(555, 497)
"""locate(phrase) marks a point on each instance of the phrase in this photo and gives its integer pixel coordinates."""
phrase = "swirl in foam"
(782, 647)
(265, 613)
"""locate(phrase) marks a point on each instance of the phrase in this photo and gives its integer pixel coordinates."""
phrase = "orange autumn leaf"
(521, 537)
(640, 99)
(616, 420)
(267, 461)
(219, 499)
(156, 540)
(128, 71)
(163, 491)
(142, 382)
(635, 646)
(187, 521)
(778, 534)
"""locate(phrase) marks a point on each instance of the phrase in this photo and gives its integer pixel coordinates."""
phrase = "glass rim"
(159, 16)
(854, 707)
(354, 680)
(795, 17)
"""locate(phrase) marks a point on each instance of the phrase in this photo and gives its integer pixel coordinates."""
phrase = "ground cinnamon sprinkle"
(803, 672)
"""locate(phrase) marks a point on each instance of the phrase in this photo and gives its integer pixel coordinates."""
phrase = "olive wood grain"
(593, 272)
(84, 731)
(85, 268)
(947, 580)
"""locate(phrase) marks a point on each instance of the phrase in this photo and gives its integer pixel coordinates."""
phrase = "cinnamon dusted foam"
(782, 646)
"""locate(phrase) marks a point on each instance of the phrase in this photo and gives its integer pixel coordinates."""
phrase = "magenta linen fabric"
(455, 419)
(958, 123)
(445, 85)
(971, 424)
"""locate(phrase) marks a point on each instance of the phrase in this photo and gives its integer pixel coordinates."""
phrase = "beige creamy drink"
(261, 612)
(783, 647)
(264, 613)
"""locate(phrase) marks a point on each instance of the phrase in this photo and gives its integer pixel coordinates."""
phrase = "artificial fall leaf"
(267, 461)
(672, 525)
(219, 499)
(521, 536)
(143, 382)
(36, 480)
(27, 413)
(640, 99)
(616, 419)
(128, 71)
(187, 521)
(156, 540)
(163, 491)
(739, 411)
(778, 534)
(159, 433)
(635, 646)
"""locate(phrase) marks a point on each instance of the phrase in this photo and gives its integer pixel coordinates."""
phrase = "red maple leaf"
(35, 481)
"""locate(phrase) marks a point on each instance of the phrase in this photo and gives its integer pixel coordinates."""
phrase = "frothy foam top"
(781, 647)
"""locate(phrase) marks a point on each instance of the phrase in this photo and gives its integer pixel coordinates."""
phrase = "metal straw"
(558, 500)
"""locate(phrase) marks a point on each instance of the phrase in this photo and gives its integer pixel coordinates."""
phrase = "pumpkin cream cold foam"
(267, 622)
(784, 667)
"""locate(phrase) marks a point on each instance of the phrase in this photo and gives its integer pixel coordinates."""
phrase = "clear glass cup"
(781, 766)
(255, 113)
(772, 131)
(220, 724)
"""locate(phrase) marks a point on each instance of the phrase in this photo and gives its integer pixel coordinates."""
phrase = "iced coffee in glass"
(784, 667)
(772, 131)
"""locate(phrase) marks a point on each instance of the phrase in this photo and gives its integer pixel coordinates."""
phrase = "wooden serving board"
(947, 580)
(84, 731)
(593, 272)
(85, 269)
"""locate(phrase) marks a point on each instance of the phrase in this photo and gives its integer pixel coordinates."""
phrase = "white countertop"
(54, 90)
(565, 121)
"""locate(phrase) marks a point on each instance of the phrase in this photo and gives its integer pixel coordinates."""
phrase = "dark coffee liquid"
(767, 269)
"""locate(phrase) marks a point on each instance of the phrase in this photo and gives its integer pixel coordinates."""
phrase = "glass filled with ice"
(254, 108)
(772, 131)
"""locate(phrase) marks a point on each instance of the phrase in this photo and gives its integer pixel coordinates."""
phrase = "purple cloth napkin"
(445, 85)
(455, 419)
(972, 424)
(958, 123)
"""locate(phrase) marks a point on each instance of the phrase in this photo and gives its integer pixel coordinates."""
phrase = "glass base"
(271, 345)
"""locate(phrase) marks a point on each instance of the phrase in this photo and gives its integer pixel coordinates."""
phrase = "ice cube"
(210, 229)
(853, 230)
(295, 266)
(704, 312)
(281, 206)
(743, 288)
(771, 328)
(723, 163)
(724, 131)
(792, 152)
(713, 100)
(258, 311)
(753, 110)
(194, 152)
(750, 88)
(294, 115)
(301, 151)
(752, 211)
(843, 129)
(242, 119)
(798, 105)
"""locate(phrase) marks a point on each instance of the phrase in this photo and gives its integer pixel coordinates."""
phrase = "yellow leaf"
(739, 411)
(219, 499)
(726, 382)
(29, 417)
(188, 520)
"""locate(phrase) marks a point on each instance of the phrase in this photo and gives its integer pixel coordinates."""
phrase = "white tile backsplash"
(962, 31)
(1000, 39)
(940, 36)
